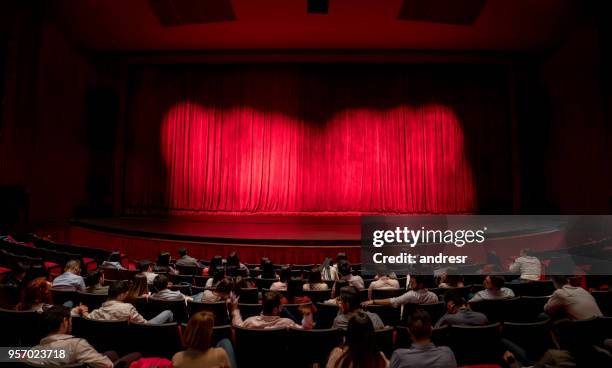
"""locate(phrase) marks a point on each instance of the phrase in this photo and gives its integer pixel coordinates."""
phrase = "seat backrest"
(262, 283)
(175, 279)
(318, 296)
(386, 293)
(102, 335)
(253, 347)
(19, 328)
(326, 313)
(384, 340)
(307, 347)
(493, 309)
(537, 288)
(177, 307)
(219, 309)
(534, 337)
(389, 315)
(604, 301)
(200, 280)
(155, 339)
(249, 310)
(294, 310)
(249, 295)
(476, 344)
(188, 270)
(435, 310)
(92, 301)
(62, 295)
(220, 333)
(185, 289)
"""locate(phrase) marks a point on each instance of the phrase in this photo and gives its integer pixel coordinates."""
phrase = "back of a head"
(341, 257)
(144, 266)
(218, 273)
(225, 286)
(526, 252)
(93, 278)
(163, 259)
(72, 265)
(216, 261)
(198, 333)
(419, 325)
(139, 286)
(497, 281)
(350, 296)
(294, 288)
(233, 260)
(114, 257)
(117, 288)
(455, 297)
(315, 276)
(338, 285)
(269, 302)
(362, 350)
(344, 268)
(267, 270)
(37, 291)
(182, 251)
(160, 282)
(52, 318)
(559, 281)
(285, 274)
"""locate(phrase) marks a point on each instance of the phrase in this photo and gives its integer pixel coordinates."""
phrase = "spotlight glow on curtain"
(263, 140)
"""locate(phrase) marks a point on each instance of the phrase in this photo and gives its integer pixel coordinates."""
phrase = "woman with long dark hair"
(359, 349)
(139, 288)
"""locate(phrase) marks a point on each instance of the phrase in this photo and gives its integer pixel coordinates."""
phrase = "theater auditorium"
(186, 183)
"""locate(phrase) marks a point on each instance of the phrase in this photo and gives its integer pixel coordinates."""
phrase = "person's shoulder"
(177, 358)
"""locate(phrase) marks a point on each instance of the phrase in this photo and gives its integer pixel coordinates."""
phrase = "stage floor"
(249, 229)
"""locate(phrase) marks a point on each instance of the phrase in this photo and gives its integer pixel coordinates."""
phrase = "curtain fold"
(316, 139)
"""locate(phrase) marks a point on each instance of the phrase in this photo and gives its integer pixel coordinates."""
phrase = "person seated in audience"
(186, 260)
(314, 281)
(95, 283)
(335, 295)
(113, 261)
(293, 294)
(527, 265)
(494, 290)
(71, 278)
(269, 317)
(197, 338)
(116, 309)
(217, 275)
(220, 293)
(359, 348)
(57, 326)
(349, 306)
(160, 284)
(571, 302)
(422, 353)
(346, 273)
(242, 283)
(284, 277)
(458, 312)
(267, 269)
(328, 273)
(163, 263)
(216, 262)
(449, 280)
(139, 288)
(146, 269)
(572, 350)
(382, 281)
(234, 268)
(418, 295)
(37, 297)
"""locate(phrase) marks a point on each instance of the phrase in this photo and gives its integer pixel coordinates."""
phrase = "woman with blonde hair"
(139, 288)
(197, 339)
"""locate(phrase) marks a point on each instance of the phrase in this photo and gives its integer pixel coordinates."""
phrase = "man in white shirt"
(418, 295)
(494, 289)
(269, 318)
(527, 265)
(571, 302)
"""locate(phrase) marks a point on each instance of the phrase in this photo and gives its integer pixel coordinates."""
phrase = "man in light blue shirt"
(71, 278)
(423, 353)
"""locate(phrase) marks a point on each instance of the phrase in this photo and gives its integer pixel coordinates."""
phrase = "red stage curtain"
(317, 139)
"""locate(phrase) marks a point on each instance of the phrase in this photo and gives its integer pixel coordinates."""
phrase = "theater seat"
(534, 337)
(389, 315)
(155, 340)
(318, 296)
(261, 348)
(249, 310)
(386, 293)
(384, 340)
(308, 347)
(219, 309)
(102, 335)
(326, 313)
(61, 295)
(249, 295)
(92, 301)
(19, 328)
(476, 344)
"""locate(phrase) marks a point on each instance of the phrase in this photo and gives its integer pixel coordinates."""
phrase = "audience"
(314, 281)
(220, 293)
(139, 288)
(71, 278)
(146, 269)
(423, 353)
(284, 277)
(234, 267)
(382, 281)
(359, 348)
(494, 289)
(293, 294)
(163, 263)
(328, 272)
(346, 273)
(458, 312)
(186, 260)
(197, 339)
(449, 280)
(218, 274)
(242, 283)
(527, 265)
(95, 283)
(113, 261)
(571, 302)
(116, 309)
(216, 262)
(36, 296)
(349, 306)
(160, 284)
(57, 325)
(267, 269)
(418, 295)
(269, 317)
